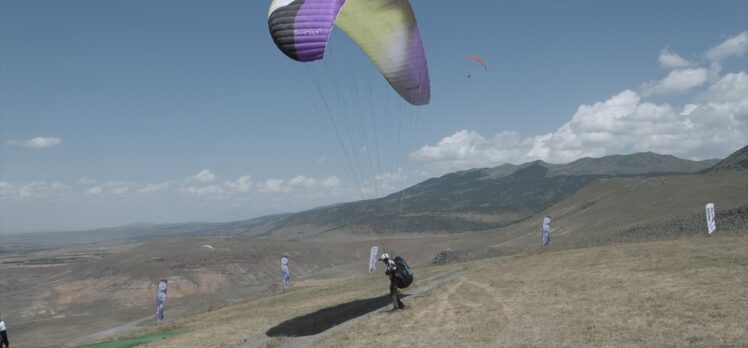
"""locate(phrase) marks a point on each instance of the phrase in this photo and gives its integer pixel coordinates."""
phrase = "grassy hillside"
(477, 199)
(120, 287)
(736, 161)
(584, 290)
(620, 210)
(681, 293)
(616, 210)
(688, 292)
(50, 304)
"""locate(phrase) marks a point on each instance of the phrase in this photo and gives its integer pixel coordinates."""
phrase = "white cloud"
(688, 109)
(155, 188)
(390, 178)
(686, 75)
(33, 190)
(210, 190)
(194, 186)
(120, 190)
(37, 143)
(331, 182)
(93, 191)
(239, 188)
(715, 123)
(204, 176)
(7, 190)
(732, 88)
(175, 200)
(273, 185)
(302, 181)
(670, 60)
(42, 189)
(86, 181)
(468, 149)
(677, 81)
(299, 182)
(391, 181)
(241, 185)
(367, 190)
(229, 189)
(118, 187)
(732, 47)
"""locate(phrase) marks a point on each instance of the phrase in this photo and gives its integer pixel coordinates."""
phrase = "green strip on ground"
(131, 341)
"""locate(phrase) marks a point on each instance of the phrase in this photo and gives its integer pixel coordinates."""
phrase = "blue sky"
(168, 111)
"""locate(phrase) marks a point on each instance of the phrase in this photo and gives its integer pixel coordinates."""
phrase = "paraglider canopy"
(369, 128)
(209, 247)
(386, 30)
(480, 61)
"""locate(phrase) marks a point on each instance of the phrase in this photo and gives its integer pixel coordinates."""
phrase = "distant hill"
(737, 161)
(470, 200)
(135, 233)
(638, 209)
(636, 164)
(476, 199)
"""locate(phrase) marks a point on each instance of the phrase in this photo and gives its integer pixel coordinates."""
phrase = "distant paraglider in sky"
(206, 246)
(546, 231)
(478, 60)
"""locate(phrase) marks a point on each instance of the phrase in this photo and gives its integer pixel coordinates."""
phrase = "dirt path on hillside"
(115, 331)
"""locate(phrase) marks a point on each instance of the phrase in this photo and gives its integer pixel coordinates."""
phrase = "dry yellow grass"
(688, 292)
(248, 322)
(691, 292)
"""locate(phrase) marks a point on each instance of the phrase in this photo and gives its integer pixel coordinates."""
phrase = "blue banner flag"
(285, 273)
(160, 300)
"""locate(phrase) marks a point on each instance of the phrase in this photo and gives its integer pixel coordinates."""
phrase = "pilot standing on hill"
(392, 273)
(4, 343)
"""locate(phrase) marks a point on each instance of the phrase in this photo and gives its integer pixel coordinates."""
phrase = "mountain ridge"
(467, 200)
(478, 199)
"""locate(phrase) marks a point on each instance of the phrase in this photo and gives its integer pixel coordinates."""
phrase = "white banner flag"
(710, 223)
(373, 259)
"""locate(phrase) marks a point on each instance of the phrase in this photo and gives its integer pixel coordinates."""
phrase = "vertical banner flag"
(373, 259)
(160, 300)
(546, 230)
(710, 224)
(285, 274)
